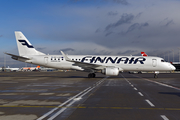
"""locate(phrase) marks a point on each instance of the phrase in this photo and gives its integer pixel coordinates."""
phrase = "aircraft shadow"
(171, 93)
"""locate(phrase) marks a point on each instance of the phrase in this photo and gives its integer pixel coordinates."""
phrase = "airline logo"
(116, 60)
(24, 42)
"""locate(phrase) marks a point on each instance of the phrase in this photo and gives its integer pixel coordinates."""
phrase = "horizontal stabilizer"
(16, 56)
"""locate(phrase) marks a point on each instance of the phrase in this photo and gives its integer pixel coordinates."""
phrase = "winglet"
(65, 56)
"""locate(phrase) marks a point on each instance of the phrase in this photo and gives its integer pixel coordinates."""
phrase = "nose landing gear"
(156, 74)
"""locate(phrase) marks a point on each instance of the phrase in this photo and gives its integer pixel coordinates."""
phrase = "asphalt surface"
(73, 96)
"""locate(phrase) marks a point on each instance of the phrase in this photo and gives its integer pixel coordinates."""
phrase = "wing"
(88, 65)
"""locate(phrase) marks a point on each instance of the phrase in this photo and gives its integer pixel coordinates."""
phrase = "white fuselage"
(124, 63)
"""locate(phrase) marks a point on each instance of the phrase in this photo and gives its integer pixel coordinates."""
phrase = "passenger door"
(154, 62)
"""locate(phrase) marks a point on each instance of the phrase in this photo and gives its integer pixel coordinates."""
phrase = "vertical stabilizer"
(24, 46)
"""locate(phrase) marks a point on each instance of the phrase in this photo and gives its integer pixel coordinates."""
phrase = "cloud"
(109, 33)
(136, 26)
(98, 30)
(169, 23)
(139, 15)
(125, 19)
(166, 22)
(123, 2)
(99, 27)
(129, 52)
(66, 50)
(41, 48)
(112, 13)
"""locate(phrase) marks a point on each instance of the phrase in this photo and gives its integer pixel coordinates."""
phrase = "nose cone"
(172, 67)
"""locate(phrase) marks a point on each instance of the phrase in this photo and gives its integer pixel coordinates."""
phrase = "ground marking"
(164, 117)
(72, 99)
(149, 103)
(63, 109)
(140, 94)
(135, 88)
(163, 84)
(48, 113)
(84, 107)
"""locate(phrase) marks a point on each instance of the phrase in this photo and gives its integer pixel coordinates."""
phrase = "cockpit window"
(162, 60)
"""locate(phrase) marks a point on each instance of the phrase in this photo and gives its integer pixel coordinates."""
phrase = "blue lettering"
(141, 59)
(112, 61)
(83, 59)
(125, 59)
(91, 61)
(131, 60)
(99, 59)
(116, 60)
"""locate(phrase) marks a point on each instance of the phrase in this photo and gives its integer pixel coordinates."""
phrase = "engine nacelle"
(110, 71)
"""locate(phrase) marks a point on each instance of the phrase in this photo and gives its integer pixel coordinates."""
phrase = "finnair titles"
(108, 65)
(116, 60)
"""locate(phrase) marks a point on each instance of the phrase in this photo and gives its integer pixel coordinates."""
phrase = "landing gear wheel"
(155, 75)
(94, 75)
(91, 75)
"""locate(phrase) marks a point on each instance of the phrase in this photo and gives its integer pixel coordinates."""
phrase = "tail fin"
(24, 46)
(143, 54)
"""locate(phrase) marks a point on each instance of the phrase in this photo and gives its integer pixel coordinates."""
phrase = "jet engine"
(110, 71)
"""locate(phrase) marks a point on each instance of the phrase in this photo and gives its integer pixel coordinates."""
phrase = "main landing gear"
(91, 75)
(155, 75)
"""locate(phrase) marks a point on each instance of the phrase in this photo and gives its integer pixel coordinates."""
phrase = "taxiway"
(71, 96)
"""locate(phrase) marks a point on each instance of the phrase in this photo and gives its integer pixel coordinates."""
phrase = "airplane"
(30, 68)
(108, 65)
(37, 68)
(1, 69)
(12, 69)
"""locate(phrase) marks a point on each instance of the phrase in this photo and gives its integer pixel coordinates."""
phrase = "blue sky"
(106, 27)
